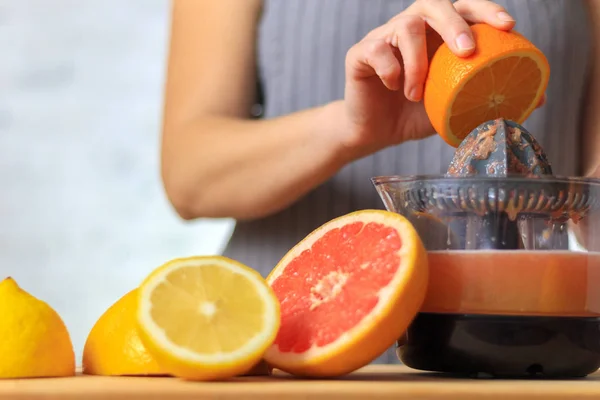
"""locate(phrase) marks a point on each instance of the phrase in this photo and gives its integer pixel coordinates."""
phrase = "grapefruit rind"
(399, 302)
(183, 362)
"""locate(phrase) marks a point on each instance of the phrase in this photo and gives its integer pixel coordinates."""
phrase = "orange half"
(506, 78)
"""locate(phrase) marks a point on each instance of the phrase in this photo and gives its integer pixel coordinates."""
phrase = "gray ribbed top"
(302, 48)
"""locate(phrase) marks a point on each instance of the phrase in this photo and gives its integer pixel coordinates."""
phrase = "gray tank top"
(301, 51)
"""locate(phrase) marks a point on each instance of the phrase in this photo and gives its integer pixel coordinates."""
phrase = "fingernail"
(413, 94)
(504, 16)
(464, 42)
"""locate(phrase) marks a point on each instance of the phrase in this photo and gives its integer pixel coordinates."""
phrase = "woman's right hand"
(386, 71)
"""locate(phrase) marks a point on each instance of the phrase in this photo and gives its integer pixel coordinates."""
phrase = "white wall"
(82, 214)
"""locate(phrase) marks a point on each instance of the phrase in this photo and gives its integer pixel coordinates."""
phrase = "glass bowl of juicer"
(514, 273)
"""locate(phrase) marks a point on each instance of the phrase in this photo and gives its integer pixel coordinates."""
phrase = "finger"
(485, 11)
(374, 57)
(451, 26)
(409, 36)
(595, 172)
(542, 101)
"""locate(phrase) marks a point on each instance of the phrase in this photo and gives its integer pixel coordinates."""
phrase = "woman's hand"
(386, 71)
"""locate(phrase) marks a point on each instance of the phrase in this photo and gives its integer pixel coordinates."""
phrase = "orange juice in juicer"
(511, 293)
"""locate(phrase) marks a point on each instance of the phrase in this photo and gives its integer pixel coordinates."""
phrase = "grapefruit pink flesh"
(358, 278)
(335, 284)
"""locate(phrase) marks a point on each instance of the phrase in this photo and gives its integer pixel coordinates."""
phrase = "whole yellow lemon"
(113, 346)
(34, 341)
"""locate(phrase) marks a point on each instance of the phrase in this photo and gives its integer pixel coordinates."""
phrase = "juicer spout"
(499, 148)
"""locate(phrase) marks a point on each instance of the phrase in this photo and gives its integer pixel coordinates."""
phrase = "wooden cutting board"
(373, 382)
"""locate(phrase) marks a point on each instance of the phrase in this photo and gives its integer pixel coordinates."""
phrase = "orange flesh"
(504, 89)
(518, 282)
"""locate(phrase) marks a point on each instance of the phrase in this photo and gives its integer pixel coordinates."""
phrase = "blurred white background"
(83, 217)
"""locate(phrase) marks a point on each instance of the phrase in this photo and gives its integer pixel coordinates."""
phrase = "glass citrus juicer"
(509, 294)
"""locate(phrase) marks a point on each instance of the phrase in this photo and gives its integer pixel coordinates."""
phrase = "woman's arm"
(585, 234)
(216, 162)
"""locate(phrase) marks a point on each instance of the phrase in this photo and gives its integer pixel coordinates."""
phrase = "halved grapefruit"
(347, 292)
